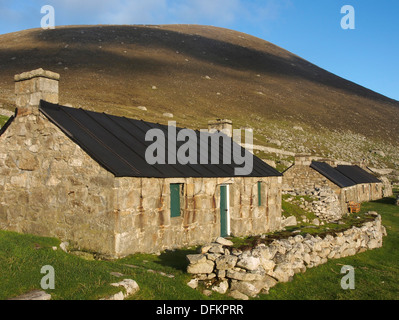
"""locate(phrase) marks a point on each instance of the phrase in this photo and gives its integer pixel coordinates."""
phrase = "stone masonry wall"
(253, 271)
(145, 225)
(302, 179)
(49, 186)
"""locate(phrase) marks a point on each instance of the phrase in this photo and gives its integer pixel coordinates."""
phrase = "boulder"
(249, 263)
(212, 256)
(316, 222)
(222, 287)
(196, 258)
(201, 268)
(373, 244)
(205, 249)
(265, 284)
(207, 292)
(130, 286)
(193, 283)
(289, 222)
(267, 265)
(243, 276)
(235, 294)
(226, 262)
(282, 274)
(216, 248)
(64, 246)
(224, 242)
(34, 295)
(247, 288)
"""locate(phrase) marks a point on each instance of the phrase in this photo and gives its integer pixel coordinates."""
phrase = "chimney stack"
(33, 86)
(223, 125)
(303, 159)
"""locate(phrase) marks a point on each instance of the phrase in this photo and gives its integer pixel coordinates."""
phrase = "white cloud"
(226, 13)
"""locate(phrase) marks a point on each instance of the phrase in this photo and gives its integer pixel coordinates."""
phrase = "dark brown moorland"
(197, 73)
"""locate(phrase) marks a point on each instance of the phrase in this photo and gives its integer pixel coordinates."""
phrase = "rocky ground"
(345, 146)
(323, 203)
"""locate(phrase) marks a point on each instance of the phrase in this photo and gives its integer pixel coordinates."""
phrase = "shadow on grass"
(390, 201)
(176, 259)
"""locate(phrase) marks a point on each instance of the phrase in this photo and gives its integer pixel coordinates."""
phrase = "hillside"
(200, 73)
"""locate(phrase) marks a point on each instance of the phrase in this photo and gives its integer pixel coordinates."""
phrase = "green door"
(224, 230)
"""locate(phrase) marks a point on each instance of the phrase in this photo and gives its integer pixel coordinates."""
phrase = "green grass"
(23, 256)
(376, 271)
(3, 120)
(291, 209)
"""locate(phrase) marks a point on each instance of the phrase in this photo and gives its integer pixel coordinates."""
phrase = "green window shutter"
(174, 200)
(259, 193)
(224, 232)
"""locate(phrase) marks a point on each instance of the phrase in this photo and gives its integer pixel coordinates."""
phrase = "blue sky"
(367, 55)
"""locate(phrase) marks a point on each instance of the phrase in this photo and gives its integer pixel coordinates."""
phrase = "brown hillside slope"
(200, 73)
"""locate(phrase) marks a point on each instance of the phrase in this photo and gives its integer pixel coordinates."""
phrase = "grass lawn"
(23, 256)
(376, 271)
(3, 120)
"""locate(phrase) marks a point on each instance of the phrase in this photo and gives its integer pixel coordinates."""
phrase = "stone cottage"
(348, 182)
(82, 176)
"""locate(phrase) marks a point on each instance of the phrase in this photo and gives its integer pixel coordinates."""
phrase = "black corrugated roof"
(357, 174)
(332, 174)
(118, 144)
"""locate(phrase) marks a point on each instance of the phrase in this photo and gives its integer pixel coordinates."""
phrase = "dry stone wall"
(247, 273)
(325, 204)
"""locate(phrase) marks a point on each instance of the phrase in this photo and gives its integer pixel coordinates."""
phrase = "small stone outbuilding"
(349, 182)
(82, 176)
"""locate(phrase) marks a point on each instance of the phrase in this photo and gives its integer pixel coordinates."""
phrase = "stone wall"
(362, 193)
(145, 225)
(253, 271)
(387, 187)
(49, 186)
(303, 179)
(325, 205)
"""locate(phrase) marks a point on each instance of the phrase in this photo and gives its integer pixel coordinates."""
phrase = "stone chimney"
(333, 163)
(224, 125)
(303, 159)
(33, 86)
